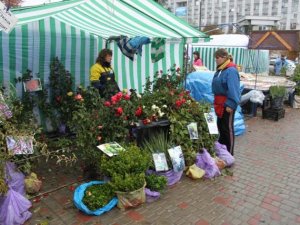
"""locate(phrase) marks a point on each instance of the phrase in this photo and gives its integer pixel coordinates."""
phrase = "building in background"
(250, 14)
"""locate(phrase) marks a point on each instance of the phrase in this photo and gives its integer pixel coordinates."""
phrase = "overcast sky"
(37, 2)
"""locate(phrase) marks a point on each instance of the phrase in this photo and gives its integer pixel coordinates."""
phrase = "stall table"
(263, 83)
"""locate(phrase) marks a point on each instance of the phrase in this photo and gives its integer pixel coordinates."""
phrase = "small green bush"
(277, 91)
(156, 182)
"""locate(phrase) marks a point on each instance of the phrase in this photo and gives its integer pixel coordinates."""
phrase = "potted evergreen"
(127, 172)
(277, 94)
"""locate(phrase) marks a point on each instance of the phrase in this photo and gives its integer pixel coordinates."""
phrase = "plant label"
(211, 121)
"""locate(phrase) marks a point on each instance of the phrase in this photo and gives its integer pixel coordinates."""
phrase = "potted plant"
(94, 198)
(277, 94)
(296, 95)
(127, 172)
(159, 143)
(155, 184)
(296, 100)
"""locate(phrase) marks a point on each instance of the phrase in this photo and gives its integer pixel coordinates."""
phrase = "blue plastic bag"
(199, 84)
(79, 194)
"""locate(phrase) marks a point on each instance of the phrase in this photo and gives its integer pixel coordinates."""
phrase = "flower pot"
(277, 103)
(172, 177)
(151, 196)
(131, 199)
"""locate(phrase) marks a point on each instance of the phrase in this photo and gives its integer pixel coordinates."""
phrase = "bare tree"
(164, 4)
(212, 30)
(12, 3)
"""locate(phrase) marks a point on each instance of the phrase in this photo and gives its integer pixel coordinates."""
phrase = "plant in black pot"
(277, 95)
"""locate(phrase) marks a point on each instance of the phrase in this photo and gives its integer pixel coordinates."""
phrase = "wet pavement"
(264, 188)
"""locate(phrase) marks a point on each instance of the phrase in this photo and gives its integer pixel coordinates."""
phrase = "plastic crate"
(273, 114)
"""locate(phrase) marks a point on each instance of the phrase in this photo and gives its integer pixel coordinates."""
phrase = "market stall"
(103, 133)
(237, 46)
(75, 31)
(271, 40)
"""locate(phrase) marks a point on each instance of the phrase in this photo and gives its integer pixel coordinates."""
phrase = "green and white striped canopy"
(106, 18)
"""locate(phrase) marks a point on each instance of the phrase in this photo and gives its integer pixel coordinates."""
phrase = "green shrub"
(131, 161)
(277, 91)
(127, 182)
(97, 196)
(156, 182)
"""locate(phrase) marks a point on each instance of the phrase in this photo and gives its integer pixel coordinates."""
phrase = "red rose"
(139, 111)
(154, 117)
(178, 103)
(146, 121)
(126, 97)
(78, 97)
(107, 103)
(119, 111)
(114, 98)
(181, 94)
(178, 69)
(183, 101)
(58, 98)
(119, 96)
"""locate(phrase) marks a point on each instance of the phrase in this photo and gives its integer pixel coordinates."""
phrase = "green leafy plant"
(167, 93)
(62, 95)
(277, 91)
(97, 196)
(17, 127)
(31, 100)
(283, 70)
(297, 90)
(131, 161)
(156, 182)
(158, 142)
(127, 182)
(296, 76)
(127, 169)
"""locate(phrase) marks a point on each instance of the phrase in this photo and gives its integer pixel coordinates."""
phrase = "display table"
(263, 83)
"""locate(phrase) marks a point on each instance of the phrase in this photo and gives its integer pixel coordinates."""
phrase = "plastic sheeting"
(79, 194)
(199, 84)
(208, 164)
(254, 96)
(14, 207)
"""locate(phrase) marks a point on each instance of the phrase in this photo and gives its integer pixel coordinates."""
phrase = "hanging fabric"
(131, 46)
(138, 42)
(126, 48)
(157, 49)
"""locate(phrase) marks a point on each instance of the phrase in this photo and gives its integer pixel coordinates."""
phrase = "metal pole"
(256, 69)
(200, 7)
